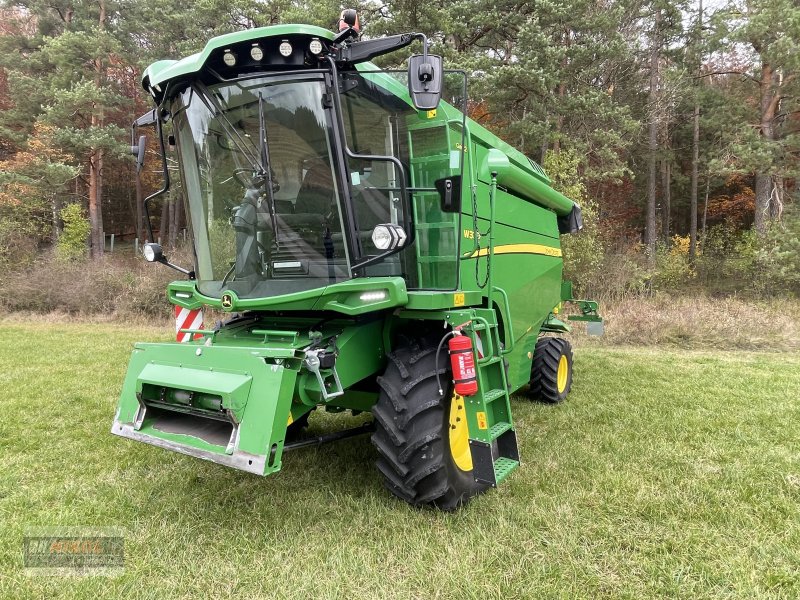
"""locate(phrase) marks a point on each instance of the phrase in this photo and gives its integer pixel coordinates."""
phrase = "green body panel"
(522, 182)
(256, 398)
(343, 297)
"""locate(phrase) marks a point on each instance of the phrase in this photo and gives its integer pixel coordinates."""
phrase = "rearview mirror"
(425, 77)
(138, 152)
(147, 119)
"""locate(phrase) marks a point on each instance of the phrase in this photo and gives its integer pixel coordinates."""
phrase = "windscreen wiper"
(263, 151)
(213, 105)
(260, 164)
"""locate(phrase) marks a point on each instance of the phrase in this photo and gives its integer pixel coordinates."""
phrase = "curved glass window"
(257, 164)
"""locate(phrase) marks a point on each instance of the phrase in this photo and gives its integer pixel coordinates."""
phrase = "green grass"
(666, 474)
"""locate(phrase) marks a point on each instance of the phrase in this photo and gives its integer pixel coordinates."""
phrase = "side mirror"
(138, 152)
(153, 252)
(425, 78)
(148, 119)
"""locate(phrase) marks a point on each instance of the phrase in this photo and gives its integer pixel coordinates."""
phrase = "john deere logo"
(227, 301)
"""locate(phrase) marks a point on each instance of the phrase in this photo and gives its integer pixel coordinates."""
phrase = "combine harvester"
(378, 252)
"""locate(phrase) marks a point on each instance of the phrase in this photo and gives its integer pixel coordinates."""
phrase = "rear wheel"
(551, 374)
(421, 436)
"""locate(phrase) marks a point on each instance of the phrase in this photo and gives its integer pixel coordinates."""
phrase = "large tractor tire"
(551, 374)
(421, 436)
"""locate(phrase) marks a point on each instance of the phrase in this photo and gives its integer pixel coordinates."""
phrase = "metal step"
(492, 395)
(503, 467)
(498, 429)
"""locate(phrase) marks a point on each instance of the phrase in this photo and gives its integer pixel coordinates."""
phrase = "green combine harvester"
(377, 251)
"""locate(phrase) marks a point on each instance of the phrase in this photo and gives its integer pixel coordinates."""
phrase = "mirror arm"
(186, 272)
(165, 188)
(148, 118)
(357, 52)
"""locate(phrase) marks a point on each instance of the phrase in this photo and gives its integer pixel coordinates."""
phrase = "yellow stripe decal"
(517, 249)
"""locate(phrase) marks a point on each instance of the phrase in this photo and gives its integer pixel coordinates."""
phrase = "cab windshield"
(257, 165)
(280, 203)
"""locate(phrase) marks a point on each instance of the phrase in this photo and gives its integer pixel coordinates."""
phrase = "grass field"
(667, 473)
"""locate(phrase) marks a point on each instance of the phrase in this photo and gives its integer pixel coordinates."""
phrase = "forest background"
(675, 124)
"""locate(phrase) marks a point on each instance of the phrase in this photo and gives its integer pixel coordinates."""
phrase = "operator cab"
(304, 165)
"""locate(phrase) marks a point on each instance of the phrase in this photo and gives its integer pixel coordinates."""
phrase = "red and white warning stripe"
(479, 345)
(187, 319)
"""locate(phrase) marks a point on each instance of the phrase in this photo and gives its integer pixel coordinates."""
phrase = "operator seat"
(316, 194)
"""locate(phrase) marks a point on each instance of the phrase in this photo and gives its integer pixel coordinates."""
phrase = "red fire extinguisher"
(462, 361)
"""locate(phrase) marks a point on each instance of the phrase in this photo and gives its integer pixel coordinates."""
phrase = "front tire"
(421, 436)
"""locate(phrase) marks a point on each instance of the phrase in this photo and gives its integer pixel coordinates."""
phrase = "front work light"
(229, 58)
(152, 252)
(315, 47)
(373, 296)
(285, 48)
(388, 236)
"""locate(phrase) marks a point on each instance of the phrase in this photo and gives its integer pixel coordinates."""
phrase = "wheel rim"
(459, 434)
(563, 372)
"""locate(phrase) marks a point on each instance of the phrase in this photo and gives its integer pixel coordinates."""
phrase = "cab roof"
(163, 71)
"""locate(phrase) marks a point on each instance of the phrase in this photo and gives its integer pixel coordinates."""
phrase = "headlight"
(388, 236)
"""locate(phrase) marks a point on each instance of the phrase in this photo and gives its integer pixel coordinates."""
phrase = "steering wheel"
(239, 176)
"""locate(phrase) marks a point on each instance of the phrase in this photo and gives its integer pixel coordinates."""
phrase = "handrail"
(507, 326)
(489, 352)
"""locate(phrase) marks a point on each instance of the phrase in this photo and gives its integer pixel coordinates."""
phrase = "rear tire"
(551, 374)
(413, 425)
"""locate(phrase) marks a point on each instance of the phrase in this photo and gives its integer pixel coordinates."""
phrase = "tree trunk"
(770, 99)
(179, 217)
(95, 208)
(693, 193)
(650, 221)
(705, 208)
(763, 191)
(561, 92)
(695, 146)
(56, 204)
(96, 163)
(173, 221)
(163, 227)
(140, 230)
(776, 201)
(666, 199)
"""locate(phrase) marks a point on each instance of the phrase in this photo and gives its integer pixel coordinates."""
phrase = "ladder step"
(493, 395)
(498, 429)
(491, 361)
(503, 467)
